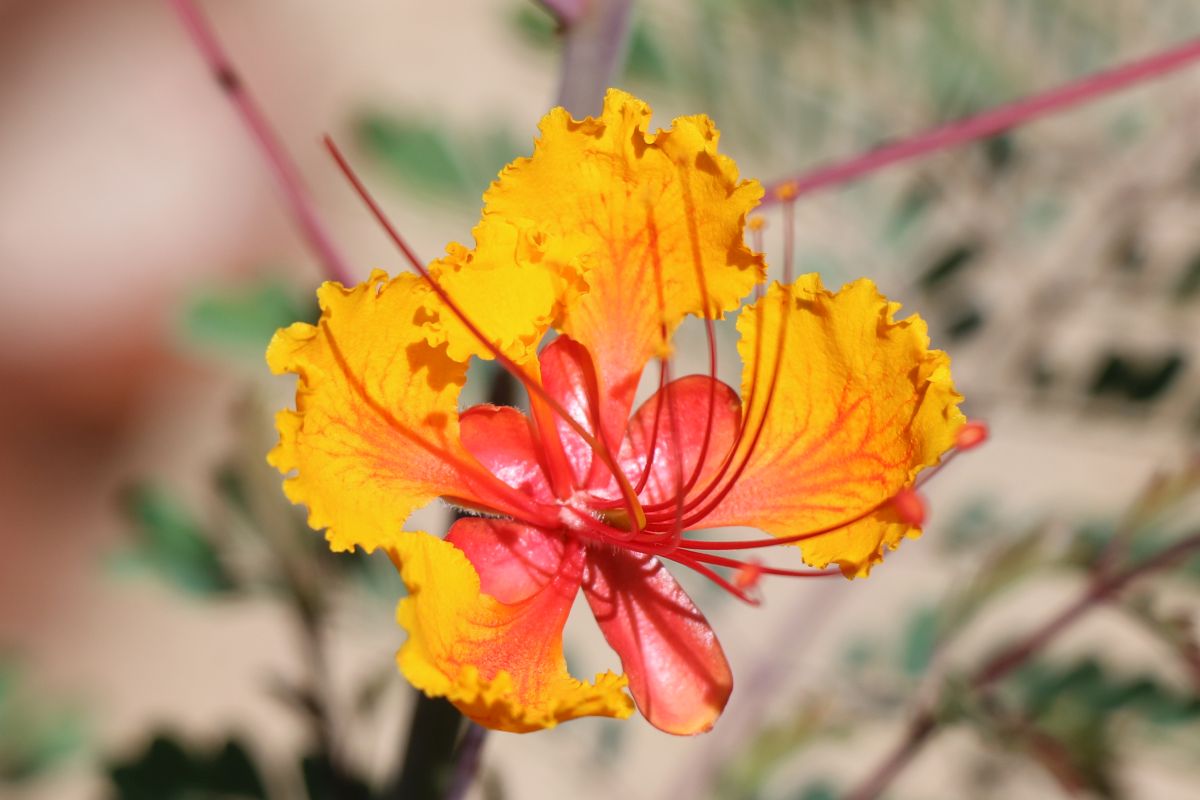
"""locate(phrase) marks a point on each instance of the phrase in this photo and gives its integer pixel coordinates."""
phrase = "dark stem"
(926, 724)
(919, 732)
(435, 764)
(429, 752)
(1099, 591)
(309, 615)
(466, 765)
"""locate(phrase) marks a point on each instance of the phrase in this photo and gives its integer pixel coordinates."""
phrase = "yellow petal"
(643, 221)
(501, 664)
(861, 406)
(375, 432)
(503, 286)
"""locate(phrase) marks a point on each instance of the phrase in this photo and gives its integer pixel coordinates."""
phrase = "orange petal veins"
(861, 406)
(500, 663)
(503, 286)
(649, 217)
(375, 430)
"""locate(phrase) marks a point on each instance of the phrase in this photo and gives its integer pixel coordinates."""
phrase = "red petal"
(515, 561)
(677, 671)
(569, 376)
(499, 437)
(687, 401)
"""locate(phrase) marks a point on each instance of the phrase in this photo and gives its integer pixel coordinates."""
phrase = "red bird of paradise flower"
(608, 236)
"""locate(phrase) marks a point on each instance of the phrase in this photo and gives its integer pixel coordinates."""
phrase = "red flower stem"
(286, 174)
(925, 724)
(988, 123)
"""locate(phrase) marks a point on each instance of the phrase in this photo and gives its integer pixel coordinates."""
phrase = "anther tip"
(909, 506)
(756, 223)
(786, 191)
(973, 434)
(748, 575)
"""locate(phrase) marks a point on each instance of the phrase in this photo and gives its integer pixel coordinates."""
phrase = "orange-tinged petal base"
(500, 663)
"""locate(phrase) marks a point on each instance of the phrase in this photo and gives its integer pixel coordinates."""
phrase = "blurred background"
(169, 628)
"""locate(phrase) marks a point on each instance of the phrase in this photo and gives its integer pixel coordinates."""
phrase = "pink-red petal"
(500, 438)
(682, 409)
(677, 671)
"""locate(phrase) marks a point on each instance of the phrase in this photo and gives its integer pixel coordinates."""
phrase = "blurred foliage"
(1075, 718)
(1088, 692)
(240, 321)
(791, 82)
(432, 159)
(169, 769)
(34, 736)
(170, 542)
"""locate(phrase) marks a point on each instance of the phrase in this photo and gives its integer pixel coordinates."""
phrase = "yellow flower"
(609, 235)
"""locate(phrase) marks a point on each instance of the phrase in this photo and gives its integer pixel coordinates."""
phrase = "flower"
(610, 236)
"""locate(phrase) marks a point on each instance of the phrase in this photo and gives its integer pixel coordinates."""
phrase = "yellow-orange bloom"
(587, 257)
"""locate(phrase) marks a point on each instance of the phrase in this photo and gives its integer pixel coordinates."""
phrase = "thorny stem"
(991, 122)
(925, 724)
(287, 176)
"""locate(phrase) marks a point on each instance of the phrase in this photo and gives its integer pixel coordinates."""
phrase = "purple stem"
(466, 765)
(990, 122)
(284, 169)
(595, 35)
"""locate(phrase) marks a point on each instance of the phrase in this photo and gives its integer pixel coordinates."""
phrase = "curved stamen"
(733, 478)
(771, 541)
(721, 561)
(719, 580)
(658, 404)
(748, 404)
(709, 332)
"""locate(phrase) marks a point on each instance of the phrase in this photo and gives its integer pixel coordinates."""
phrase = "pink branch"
(990, 122)
(284, 169)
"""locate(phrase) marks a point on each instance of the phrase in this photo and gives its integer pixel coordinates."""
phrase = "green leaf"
(819, 791)
(33, 738)
(920, 641)
(420, 154)
(534, 24)
(322, 784)
(243, 319)
(171, 543)
(645, 59)
(1087, 691)
(914, 206)
(170, 770)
